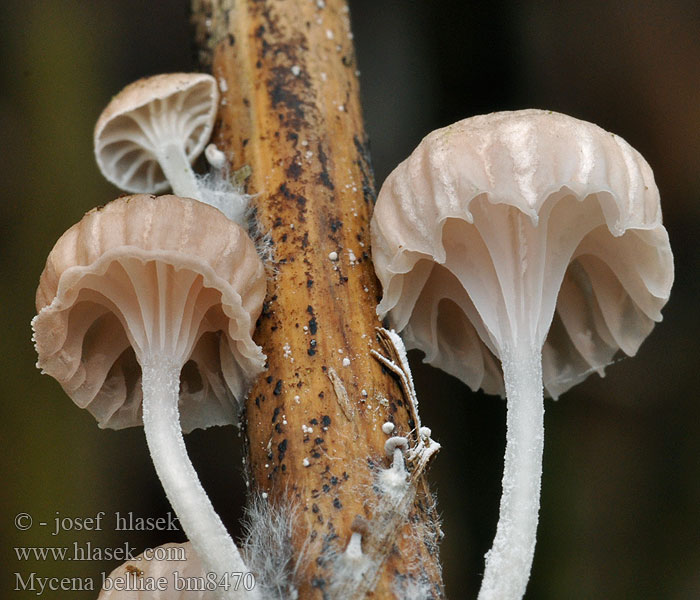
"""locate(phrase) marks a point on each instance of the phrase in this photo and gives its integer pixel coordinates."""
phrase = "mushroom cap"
(148, 278)
(522, 228)
(150, 113)
(131, 580)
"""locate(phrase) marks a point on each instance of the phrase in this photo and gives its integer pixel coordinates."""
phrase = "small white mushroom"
(353, 550)
(153, 130)
(394, 444)
(215, 157)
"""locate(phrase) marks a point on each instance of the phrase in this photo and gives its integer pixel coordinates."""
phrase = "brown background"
(621, 487)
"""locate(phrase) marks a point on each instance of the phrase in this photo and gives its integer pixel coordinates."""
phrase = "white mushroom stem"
(161, 420)
(178, 171)
(509, 561)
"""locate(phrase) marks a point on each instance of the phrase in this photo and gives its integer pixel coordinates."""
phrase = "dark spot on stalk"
(313, 326)
(284, 190)
(294, 171)
(326, 420)
(324, 177)
(337, 504)
(275, 413)
(281, 449)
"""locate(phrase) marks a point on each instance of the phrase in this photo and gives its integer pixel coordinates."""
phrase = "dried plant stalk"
(291, 112)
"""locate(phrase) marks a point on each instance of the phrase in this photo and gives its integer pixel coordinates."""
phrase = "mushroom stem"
(178, 171)
(509, 561)
(207, 534)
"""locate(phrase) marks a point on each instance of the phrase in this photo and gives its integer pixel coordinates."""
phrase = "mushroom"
(153, 130)
(143, 318)
(165, 572)
(529, 239)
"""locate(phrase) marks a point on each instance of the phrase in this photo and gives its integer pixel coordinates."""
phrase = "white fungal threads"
(218, 190)
(333, 256)
(271, 556)
(388, 427)
(346, 362)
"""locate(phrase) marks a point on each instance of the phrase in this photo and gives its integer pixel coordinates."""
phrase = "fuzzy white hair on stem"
(356, 569)
(224, 191)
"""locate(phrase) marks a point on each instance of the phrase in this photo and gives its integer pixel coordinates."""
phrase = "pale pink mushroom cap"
(145, 277)
(522, 226)
(144, 118)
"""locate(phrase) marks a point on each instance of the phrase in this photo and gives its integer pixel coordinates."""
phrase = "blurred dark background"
(620, 511)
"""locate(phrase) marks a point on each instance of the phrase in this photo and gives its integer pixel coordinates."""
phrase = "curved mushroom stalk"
(531, 239)
(138, 275)
(161, 421)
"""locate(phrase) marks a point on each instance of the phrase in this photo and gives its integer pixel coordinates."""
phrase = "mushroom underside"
(83, 342)
(128, 145)
(566, 283)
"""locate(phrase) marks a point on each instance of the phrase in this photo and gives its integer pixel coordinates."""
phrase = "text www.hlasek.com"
(88, 552)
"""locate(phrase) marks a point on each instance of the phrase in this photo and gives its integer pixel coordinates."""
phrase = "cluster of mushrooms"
(147, 306)
(520, 251)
